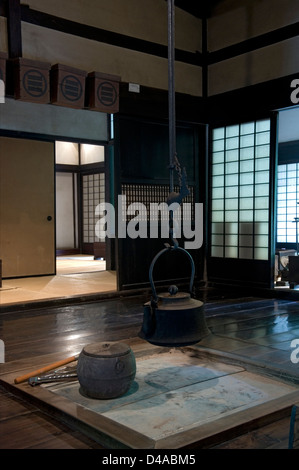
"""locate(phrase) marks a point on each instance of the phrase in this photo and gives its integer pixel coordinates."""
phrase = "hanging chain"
(178, 169)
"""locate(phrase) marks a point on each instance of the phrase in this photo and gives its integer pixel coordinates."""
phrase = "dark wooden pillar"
(205, 78)
(14, 28)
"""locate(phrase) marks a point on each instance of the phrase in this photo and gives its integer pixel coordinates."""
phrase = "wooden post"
(14, 29)
(0, 273)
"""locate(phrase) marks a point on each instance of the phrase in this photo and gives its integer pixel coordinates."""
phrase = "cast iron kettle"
(173, 318)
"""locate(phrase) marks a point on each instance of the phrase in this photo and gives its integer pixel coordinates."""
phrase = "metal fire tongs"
(56, 376)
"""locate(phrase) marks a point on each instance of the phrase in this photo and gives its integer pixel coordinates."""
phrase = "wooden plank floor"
(253, 328)
(23, 426)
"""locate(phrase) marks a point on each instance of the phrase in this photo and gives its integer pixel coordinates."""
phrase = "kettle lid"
(106, 349)
(167, 296)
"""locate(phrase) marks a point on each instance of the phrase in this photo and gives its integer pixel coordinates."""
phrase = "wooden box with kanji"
(31, 80)
(102, 92)
(68, 86)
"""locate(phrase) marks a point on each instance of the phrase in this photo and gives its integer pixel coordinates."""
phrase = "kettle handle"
(161, 253)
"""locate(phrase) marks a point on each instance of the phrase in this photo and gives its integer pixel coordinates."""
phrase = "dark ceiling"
(198, 8)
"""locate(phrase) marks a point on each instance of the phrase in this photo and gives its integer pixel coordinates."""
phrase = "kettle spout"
(149, 324)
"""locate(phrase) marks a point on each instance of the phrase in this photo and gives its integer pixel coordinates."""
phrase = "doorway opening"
(80, 187)
(287, 202)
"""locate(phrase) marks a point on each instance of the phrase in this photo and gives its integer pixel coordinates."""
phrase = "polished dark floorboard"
(253, 329)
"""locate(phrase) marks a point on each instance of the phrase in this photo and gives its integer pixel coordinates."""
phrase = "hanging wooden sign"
(31, 80)
(102, 92)
(67, 86)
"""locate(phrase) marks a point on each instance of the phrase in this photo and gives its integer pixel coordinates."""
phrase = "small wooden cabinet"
(31, 80)
(102, 92)
(67, 86)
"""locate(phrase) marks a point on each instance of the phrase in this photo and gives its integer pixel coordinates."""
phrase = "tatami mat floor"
(75, 276)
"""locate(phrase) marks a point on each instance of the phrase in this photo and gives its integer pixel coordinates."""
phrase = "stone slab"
(180, 397)
(175, 392)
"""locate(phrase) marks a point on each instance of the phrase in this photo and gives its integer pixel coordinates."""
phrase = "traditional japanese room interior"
(149, 198)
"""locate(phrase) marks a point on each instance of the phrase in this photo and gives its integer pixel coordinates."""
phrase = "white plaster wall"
(53, 120)
(264, 64)
(288, 125)
(234, 21)
(64, 211)
(148, 70)
(144, 19)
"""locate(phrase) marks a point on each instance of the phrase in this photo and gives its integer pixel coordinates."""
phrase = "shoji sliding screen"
(240, 202)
